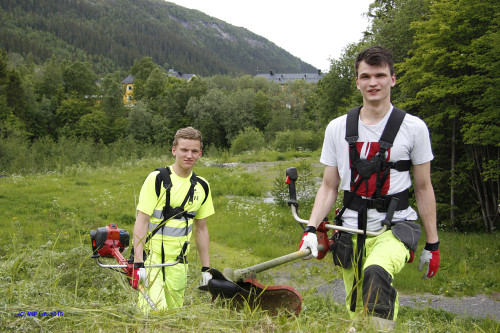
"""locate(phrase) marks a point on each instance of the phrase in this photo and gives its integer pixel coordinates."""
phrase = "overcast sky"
(313, 30)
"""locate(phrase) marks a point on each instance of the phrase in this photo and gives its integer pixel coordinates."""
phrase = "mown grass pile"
(45, 263)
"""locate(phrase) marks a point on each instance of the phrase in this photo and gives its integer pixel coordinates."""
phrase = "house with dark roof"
(180, 75)
(128, 85)
(283, 78)
(128, 91)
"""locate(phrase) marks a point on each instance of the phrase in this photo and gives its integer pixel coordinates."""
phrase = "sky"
(312, 30)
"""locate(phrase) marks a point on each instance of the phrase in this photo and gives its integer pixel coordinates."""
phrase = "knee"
(378, 294)
(376, 275)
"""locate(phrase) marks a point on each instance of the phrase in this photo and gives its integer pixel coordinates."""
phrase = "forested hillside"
(112, 34)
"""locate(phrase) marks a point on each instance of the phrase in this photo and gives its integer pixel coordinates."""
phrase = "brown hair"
(189, 133)
(375, 56)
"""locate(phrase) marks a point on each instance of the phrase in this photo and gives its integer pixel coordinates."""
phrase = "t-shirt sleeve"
(422, 149)
(147, 197)
(329, 151)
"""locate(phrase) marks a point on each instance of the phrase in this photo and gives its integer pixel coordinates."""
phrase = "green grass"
(45, 262)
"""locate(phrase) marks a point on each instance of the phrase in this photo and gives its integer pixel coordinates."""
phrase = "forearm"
(140, 233)
(326, 196)
(325, 199)
(426, 203)
(202, 240)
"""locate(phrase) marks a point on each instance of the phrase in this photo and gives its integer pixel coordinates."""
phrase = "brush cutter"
(110, 242)
(242, 286)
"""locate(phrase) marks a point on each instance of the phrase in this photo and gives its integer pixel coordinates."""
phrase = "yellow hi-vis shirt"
(174, 233)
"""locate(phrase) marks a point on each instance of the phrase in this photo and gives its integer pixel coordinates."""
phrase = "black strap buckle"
(380, 205)
(182, 256)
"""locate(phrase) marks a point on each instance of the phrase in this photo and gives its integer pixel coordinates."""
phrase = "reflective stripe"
(159, 214)
(171, 231)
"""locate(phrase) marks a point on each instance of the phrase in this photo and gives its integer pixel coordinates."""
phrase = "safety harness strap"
(353, 201)
(364, 168)
(163, 177)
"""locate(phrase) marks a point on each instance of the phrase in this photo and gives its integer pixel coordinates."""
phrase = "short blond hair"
(189, 133)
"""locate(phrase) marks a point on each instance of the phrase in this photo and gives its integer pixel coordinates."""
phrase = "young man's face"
(186, 153)
(375, 83)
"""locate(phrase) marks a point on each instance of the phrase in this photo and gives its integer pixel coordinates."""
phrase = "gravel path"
(480, 306)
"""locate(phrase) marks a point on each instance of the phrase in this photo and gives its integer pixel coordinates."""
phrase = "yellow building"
(128, 91)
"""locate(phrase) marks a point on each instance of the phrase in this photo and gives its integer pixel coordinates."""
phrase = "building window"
(129, 88)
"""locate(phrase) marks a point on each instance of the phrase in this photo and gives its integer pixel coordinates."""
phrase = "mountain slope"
(113, 33)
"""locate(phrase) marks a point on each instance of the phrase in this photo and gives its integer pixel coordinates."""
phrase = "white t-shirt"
(411, 143)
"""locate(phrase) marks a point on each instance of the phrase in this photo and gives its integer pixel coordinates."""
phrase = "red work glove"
(309, 241)
(431, 259)
(138, 274)
(412, 256)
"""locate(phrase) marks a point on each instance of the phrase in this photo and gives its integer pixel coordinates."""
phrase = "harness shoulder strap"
(391, 128)
(204, 184)
(163, 176)
(388, 135)
(351, 133)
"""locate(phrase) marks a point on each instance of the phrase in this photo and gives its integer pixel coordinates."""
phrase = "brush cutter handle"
(339, 228)
(240, 274)
(125, 266)
(291, 177)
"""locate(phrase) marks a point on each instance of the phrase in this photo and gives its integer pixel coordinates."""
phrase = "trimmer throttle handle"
(291, 177)
(390, 212)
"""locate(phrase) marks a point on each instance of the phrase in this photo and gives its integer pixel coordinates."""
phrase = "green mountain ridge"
(111, 34)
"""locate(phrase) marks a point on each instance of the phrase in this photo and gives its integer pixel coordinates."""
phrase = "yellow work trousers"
(384, 253)
(166, 292)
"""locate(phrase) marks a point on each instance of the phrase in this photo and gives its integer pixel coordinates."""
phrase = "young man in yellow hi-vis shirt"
(171, 201)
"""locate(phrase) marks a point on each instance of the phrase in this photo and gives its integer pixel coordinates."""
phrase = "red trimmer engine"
(110, 242)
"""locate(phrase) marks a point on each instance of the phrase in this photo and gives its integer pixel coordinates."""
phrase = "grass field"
(45, 263)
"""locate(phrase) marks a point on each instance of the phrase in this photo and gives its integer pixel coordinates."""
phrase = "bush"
(20, 156)
(250, 139)
(297, 140)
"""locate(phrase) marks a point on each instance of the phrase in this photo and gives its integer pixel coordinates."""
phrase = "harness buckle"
(380, 204)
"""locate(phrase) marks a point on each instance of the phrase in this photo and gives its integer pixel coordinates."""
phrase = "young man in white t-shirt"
(370, 287)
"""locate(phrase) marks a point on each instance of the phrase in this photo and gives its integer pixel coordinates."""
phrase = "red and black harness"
(365, 169)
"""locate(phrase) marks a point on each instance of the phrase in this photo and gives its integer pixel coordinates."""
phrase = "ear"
(393, 80)
(173, 150)
(357, 83)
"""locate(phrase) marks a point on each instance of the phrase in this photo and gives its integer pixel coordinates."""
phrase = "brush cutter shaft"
(240, 274)
(146, 297)
(124, 266)
(339, 228)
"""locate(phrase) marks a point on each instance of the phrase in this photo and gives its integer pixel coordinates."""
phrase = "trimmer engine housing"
(105, 238)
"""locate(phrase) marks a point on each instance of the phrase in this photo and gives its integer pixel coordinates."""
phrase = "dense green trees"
(451, 80)
(67, 99)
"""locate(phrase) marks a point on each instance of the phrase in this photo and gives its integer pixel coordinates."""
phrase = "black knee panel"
(379, 295)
